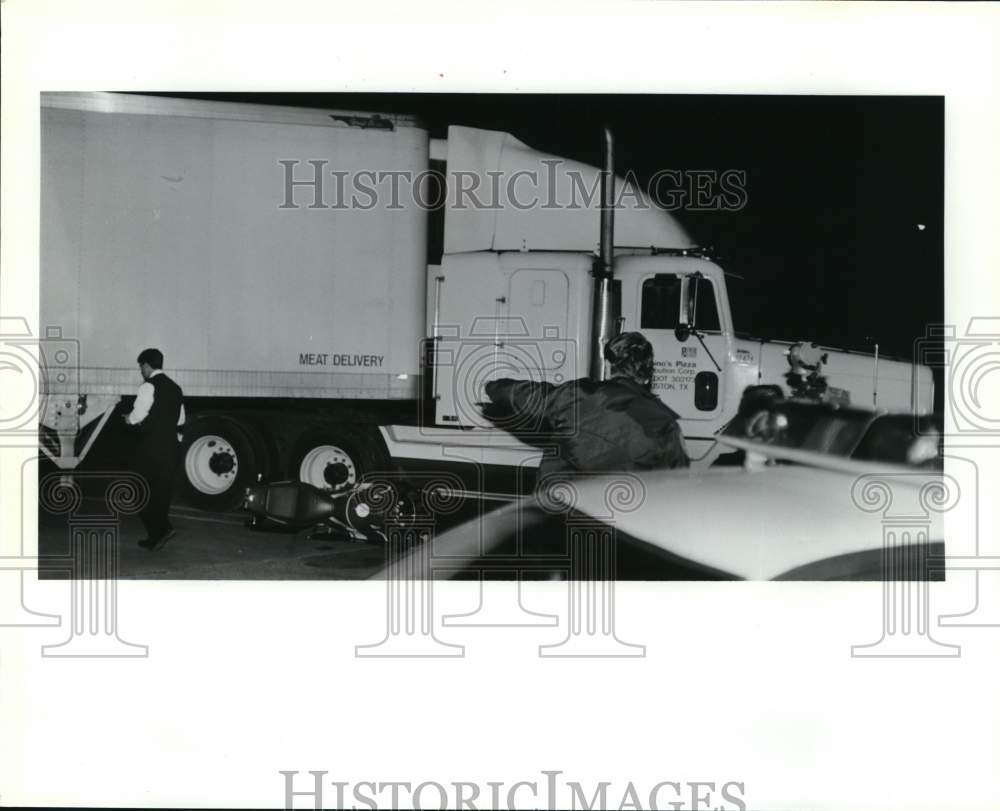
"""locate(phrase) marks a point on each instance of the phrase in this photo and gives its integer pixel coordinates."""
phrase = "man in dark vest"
(157, 414)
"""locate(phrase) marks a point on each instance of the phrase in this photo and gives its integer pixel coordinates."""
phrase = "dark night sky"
(828, 242)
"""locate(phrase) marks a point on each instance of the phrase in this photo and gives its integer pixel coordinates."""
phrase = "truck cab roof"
(528, 200)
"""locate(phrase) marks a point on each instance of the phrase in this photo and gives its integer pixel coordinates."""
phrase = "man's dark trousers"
(157, 453)
(157, 468)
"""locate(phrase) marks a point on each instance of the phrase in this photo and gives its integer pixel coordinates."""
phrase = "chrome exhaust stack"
(604, 267)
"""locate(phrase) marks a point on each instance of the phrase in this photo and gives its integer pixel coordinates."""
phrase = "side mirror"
(682, 332)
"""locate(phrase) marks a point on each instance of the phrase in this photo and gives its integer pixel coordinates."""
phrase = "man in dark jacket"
(587, 425)
(157, 414)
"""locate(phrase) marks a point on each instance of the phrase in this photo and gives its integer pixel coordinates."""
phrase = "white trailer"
(297, 321)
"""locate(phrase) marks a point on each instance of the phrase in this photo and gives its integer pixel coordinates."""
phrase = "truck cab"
(513, 297)
(527, 316)
(680, 304)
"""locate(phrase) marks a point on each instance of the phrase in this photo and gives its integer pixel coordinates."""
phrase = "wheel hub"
(336, 474)
(221, 463)
(328, 467)
(211, 464)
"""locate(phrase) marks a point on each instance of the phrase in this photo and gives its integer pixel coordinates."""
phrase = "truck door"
(688, 371)
(539, 299)
(490, 326)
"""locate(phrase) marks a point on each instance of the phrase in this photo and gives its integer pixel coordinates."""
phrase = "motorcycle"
(366, 512)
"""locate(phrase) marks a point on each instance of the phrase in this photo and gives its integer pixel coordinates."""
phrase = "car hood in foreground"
(761, 524)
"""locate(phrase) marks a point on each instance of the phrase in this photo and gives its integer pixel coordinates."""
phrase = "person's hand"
(494, 412)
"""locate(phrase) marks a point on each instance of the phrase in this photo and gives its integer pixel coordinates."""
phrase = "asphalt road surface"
(214, 546)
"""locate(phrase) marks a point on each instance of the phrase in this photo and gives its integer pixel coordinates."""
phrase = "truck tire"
(335, 459)
(219, 460)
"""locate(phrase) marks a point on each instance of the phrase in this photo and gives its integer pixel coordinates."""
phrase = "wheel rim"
(211, 464)
(321, 464)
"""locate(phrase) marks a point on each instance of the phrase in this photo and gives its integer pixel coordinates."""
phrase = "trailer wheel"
(219, 459)
(336, 459)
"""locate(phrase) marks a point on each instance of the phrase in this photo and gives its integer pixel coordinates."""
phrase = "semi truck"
(325, 321)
